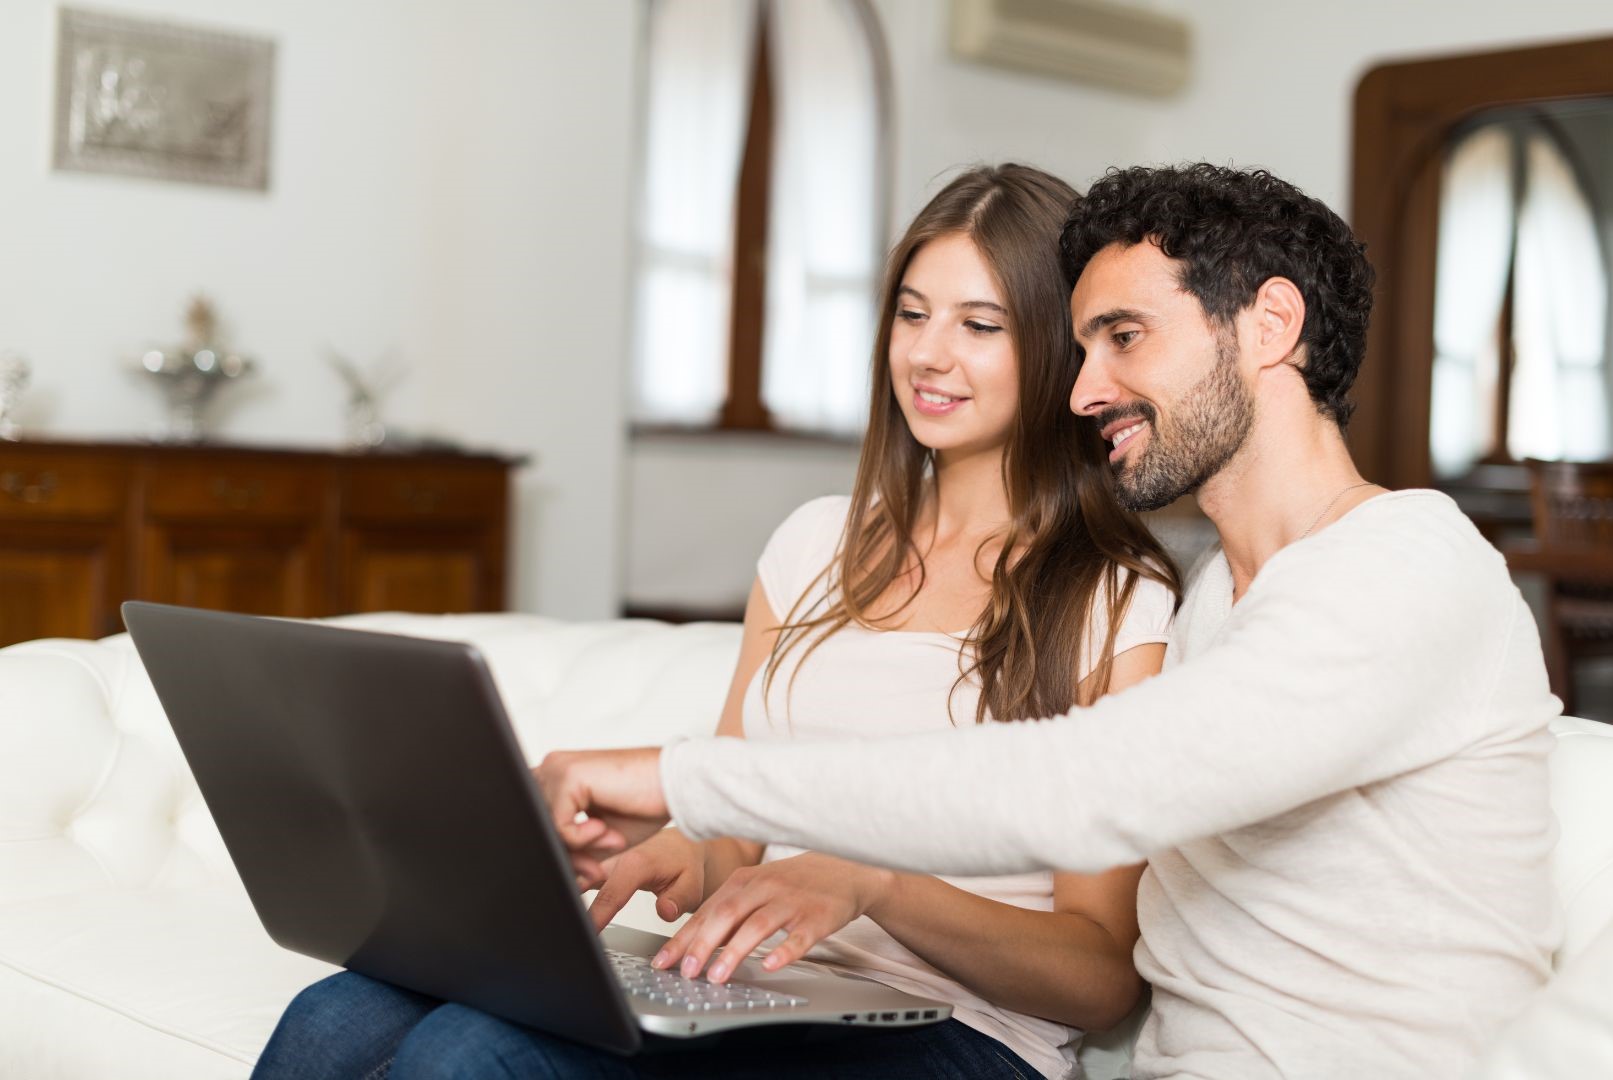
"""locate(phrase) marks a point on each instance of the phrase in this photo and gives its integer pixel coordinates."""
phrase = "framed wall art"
(162, 100)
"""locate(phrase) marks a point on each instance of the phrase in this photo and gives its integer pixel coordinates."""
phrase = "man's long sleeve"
(1350, 660)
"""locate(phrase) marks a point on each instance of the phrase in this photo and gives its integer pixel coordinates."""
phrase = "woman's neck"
(970, 499)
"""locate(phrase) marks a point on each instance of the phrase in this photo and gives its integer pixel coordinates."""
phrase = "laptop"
(371, 793)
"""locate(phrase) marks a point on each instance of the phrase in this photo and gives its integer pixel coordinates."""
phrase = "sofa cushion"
(94, 792)
(1582, 862)
(1565, 1031)
(141, 984)
(128, 948)
(567, 686)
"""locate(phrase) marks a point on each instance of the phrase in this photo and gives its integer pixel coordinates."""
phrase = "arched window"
(762, 215)
(1520, 304)
(1558, 405)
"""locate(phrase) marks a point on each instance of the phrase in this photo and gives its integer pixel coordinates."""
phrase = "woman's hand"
(669, 864)
(810, 896)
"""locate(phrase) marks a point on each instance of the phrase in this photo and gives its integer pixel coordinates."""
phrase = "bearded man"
(1339, 780)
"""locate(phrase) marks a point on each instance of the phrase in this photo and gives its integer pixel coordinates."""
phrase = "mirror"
(1480, 186)
(1522, 363)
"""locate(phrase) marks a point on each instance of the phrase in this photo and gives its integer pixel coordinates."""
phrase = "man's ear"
(1275, 321)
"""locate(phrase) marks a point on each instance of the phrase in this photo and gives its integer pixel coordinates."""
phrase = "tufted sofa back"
(94, 793)
(1582, 796)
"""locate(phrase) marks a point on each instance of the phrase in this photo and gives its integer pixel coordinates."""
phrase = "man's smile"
(1120, 435)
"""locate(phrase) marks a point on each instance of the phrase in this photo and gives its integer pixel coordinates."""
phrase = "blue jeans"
(350, 1027)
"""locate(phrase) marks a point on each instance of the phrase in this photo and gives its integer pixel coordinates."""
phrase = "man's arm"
(1340, 667)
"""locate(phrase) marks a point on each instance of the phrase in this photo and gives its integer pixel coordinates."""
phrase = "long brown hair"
(1068, 537)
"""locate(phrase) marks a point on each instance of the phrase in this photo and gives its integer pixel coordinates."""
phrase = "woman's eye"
(907, 315)
(981, 328)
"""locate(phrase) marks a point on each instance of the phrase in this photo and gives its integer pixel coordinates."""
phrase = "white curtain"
(825, 225)
(1476, 224)
(700, 54)
(1559, 404)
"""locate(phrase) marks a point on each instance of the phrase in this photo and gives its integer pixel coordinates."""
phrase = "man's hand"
(668, 864)
(602, 802)
(809, 895)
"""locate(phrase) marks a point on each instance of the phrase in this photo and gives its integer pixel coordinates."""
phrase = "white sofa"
(128, 948)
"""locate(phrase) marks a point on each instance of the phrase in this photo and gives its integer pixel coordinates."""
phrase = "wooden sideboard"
(85, 526)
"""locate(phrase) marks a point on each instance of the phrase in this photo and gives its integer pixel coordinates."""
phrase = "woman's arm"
(682, 872)
(1072, 964)
(726, 854)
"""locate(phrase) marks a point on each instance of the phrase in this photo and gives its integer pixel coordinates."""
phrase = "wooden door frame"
(1404, 114)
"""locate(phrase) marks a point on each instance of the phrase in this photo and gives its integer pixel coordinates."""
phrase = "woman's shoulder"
(817, 514)
(1149, 615)
(1150, 590)
(1146, 619)
(800, 548)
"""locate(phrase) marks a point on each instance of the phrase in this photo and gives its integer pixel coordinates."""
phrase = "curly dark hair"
(1232, 230)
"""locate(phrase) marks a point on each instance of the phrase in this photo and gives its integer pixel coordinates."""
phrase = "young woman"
(981, 571)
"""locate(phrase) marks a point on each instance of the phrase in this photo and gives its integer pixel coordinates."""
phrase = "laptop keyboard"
(670, 989)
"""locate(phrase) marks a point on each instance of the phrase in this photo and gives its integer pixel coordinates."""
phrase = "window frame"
(743, 411)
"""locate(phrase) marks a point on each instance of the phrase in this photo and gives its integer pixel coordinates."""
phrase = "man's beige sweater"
(1339, 784)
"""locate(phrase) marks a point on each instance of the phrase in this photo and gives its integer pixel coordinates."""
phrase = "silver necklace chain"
(1334, 501)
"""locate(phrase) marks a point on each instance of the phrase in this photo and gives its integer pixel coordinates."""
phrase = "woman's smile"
(932, 402)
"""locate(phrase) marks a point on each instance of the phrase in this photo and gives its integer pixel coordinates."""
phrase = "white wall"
(452, 180)
(1274, 83)
(1272, 86)
(531, 223)
(706, 507)
(951, 113)
(448, 181)
(946, 115)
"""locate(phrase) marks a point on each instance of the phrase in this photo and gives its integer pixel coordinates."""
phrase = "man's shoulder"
(1415, 524)
(1409, 506)
(1416, 545)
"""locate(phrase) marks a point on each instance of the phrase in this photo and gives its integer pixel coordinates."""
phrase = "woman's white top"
(861, 682)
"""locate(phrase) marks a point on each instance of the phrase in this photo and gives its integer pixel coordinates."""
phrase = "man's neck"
(1291, 479)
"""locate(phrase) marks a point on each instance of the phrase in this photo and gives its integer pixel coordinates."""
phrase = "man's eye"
(1123, 338)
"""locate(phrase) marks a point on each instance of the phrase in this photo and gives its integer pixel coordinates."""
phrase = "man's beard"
(1209, 425)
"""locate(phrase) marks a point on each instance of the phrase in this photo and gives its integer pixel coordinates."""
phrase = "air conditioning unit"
(1106, 42)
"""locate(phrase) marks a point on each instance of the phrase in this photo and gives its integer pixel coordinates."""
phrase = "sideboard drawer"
(85, 526)
(37, 487)
(384, 491)
(200, 491)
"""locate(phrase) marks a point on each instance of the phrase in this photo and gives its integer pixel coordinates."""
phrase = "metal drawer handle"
(421, 500)
(237, 497)
(34, 492)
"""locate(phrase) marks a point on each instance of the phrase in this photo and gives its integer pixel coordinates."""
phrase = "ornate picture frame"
(162, 100)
